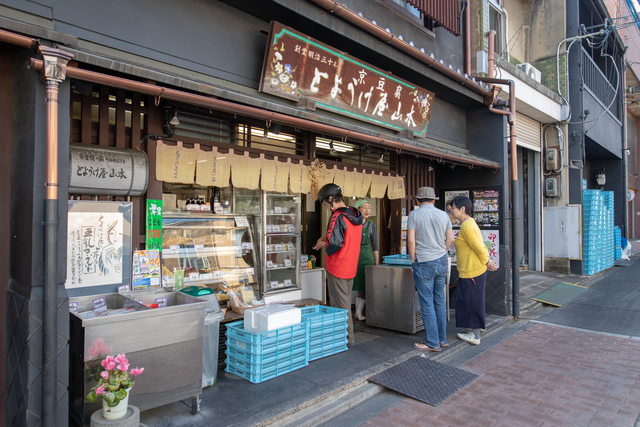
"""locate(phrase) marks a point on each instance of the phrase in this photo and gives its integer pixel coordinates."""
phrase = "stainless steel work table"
(392, 298)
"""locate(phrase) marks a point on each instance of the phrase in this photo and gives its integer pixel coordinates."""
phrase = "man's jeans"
(430, 279)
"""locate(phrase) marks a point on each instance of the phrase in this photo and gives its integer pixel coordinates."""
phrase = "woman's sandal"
(423, 347)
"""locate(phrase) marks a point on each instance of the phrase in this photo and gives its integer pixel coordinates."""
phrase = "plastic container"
(266, 341)
(270, 318)
(210, 347)
(397, 259)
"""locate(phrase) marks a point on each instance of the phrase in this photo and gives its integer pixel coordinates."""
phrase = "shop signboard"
(298, 67)
(154, 225)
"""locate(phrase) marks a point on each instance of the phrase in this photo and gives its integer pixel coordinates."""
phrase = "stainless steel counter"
(167, 342)
(392, 299)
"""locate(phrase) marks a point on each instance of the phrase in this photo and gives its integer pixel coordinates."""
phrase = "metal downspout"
(53, 73)
(467, 38)
(515, 206)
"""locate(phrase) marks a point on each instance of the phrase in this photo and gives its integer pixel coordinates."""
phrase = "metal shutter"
(528, 133)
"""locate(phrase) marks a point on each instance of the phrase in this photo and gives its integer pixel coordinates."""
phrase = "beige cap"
(426, 193)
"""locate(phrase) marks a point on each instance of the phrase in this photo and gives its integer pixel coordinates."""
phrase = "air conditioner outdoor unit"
(531, 71)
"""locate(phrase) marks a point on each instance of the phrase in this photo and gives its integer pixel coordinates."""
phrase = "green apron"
(366, 258)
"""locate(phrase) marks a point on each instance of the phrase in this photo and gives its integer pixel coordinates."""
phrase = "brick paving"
(543, 376)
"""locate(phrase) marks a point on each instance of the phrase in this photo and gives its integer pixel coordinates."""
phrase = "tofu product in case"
(270, 318)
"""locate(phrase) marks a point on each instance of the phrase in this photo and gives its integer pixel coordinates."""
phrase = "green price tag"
(154, 224)
(178, 277)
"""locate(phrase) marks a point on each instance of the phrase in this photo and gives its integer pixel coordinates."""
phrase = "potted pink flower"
(115, 383)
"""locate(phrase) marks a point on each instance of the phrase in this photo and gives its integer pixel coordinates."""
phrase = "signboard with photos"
(298, 67)
(486, 213)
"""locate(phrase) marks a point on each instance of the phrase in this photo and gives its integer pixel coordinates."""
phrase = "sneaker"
(469, 337)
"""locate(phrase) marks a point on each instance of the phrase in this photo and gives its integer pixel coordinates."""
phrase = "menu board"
(486, 208)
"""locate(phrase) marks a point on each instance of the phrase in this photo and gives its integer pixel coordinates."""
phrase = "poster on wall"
(449, 196)
(146, 269)
(486, 208)
(154, 225)
(98, 244)
(491, 239)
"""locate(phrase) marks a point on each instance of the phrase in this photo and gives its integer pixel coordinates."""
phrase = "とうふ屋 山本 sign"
(297, 67)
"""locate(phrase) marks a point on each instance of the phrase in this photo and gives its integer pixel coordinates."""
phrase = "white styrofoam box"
(270, 318)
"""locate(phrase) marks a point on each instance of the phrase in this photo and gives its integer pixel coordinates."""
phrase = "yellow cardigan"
(471, 252)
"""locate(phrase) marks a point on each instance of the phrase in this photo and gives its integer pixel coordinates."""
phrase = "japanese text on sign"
(298, 67)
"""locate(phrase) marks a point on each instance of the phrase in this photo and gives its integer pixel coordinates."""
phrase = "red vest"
(344, 263)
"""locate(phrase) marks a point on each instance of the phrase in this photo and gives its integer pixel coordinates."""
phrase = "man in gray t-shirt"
(429, 235)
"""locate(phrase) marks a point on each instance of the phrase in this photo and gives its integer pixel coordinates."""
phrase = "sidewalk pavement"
(312, 395)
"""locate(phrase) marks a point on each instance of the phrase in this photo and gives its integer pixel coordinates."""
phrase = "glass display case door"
(280, 242)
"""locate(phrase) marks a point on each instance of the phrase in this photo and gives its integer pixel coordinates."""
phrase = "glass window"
(411, 9)
(496, 24)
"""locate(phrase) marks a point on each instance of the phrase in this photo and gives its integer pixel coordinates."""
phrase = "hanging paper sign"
(299, 180)
(378, 186)
(298, 66)
(242, 221)
(395, 188)
(213, 169)
(175, 163)
(162, 302)
(275, 175)
(154, 224)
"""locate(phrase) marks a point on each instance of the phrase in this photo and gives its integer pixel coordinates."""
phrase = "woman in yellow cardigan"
(473, 262)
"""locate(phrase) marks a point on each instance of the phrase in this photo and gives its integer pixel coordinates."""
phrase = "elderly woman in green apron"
(369, 237)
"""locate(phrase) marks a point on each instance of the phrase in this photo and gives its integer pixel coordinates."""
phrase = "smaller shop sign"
(154, 225)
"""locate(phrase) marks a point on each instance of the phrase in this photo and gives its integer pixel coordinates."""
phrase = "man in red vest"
(342, 244)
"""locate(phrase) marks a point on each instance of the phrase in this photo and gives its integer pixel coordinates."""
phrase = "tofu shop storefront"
(211, 164)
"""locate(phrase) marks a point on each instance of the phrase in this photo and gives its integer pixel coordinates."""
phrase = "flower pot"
(118, 411)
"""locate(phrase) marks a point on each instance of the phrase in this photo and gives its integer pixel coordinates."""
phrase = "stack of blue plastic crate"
(260, 357)
(592, 231)
(609, 240)
(617, 235)
(327, 330)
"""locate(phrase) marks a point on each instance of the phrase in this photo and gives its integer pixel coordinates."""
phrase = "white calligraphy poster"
(491, 238)
(95, 245)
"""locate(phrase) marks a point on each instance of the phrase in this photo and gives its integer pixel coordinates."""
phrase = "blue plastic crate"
(267, 356)
(397, 259)
(281, 364)
(279, 369)
(323, 315)
(327, 350)
(265, 341)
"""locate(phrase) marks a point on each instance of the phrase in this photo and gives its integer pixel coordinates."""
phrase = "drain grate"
(425, 380)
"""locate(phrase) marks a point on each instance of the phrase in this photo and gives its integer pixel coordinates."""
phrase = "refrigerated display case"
(210, 250)
(280, 243)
